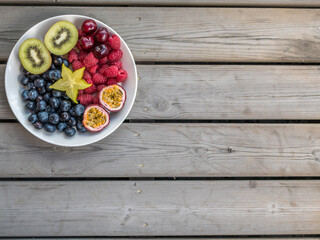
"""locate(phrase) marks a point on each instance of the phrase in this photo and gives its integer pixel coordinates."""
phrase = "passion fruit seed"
(113, 97)
(95, 118)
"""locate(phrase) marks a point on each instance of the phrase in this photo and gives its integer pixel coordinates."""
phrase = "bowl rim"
(102, 136)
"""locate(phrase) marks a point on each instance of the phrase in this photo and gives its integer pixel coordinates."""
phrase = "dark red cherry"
(86, 42)
(100, 51)
(102, 35)
(89, 26)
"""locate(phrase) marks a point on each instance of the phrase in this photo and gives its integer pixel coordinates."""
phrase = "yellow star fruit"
(71, 82)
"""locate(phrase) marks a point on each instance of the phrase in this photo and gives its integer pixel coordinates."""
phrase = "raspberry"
(93, 69)
(111, 71)
(80, 92)
(86, 75)
(114, 42)
(100, 87)
(98, 78)
(115, 55)
(85, 99)
(82, 55)
(95, 99)
(116, 63)
(72, 56)
(91, 89)
(78, 45)
(103, 61)
(111, 81)
(90, 60)
(122, 75)
(103, 68)
(77, 65)
(80, 33)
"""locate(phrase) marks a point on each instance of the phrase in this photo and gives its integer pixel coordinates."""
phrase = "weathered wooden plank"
(144, 208)
(233, 3)
(220, 92)
(169, 150)
(191, 34)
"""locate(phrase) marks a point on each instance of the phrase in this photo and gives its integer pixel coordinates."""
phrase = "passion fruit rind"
(113, 97)
(95, 118)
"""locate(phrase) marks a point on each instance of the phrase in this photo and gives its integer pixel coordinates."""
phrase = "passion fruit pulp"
(112, 97)
(95, 118)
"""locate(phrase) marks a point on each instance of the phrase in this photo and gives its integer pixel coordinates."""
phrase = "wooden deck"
(223, 141)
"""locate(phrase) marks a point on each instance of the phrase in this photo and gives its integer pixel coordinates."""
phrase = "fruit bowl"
(13, 87)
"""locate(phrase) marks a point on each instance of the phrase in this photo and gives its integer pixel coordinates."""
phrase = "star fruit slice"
(71, 82)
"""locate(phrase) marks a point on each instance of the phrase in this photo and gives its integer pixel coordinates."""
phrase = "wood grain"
(191, 34)
(27, 2)
(233, 3)
(220, 92)
(163, 208)
(169, 150)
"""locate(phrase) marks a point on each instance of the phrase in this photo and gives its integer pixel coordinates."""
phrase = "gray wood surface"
(191, 34)
(144, 208)
(169, 150)
(27, 2)
(251, 3)
(219, 92)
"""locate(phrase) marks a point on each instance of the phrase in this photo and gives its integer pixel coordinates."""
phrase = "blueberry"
(24, 80)
(39, 82)
(61, 126)
(41, 90)
(53, 67)
(54, 118)
(33, 118)
(79, 110)
(33, 94)
(65, 96)
(66, 63)
(54, 75)
(45, 75)
(48, 86)
(81, 128)
(49, 109)
(71, 111)
(65, 105)
(70, 131)
(56, 93)
(30, 86)
(43, 117)
(49, 128)
(72, 121)
(64, 116)
(58, 61)
(54, 102)
(34, 77)
(30, 105)
(39, 98)
(24, 95)
(46, 97)
(41, 105)
(38, 125)
(27, 74)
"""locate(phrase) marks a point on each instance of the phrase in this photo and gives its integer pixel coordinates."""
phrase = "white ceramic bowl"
(14, 88)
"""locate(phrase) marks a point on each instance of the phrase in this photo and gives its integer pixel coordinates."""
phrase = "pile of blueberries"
(51, 109)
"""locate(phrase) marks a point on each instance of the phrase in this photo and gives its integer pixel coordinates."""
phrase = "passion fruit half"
(95, 118)
(112, 97)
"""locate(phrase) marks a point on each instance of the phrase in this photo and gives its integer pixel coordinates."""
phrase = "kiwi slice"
(34, 56)
(61, 37)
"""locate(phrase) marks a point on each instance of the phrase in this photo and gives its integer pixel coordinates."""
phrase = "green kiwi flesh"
(61, 37)
(34, 56)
